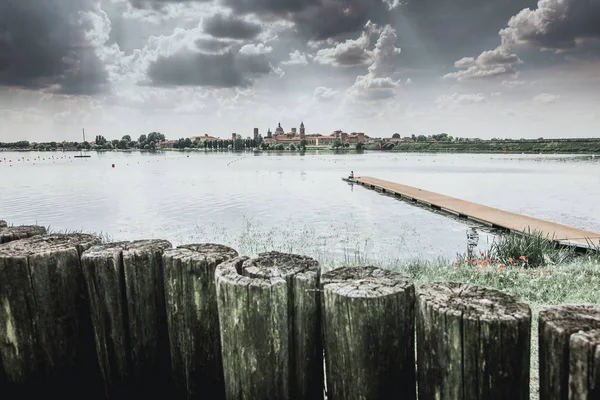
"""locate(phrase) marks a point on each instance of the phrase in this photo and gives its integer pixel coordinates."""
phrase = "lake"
(291, 202)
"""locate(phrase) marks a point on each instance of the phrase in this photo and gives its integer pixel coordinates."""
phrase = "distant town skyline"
(470, 68)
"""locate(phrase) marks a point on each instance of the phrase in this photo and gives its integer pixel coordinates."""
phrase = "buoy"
(113, 165)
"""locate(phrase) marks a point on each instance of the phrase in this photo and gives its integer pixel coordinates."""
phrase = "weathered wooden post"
(125, 286)
(472, 343)
(584, 365)
(10, 233)
(46, 338)
(270, 328)
(562, 348)
(193, 320)
(368, 334)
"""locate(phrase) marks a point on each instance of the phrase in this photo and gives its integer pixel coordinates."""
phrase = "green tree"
(127, 138)
(337, 143)
(142, 139)
(396, 136)
(303, 143)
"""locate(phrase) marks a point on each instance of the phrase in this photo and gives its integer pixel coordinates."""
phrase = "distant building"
(313, 139)
(255, 133)
(203, 138)
(279, 130)
(233, 136)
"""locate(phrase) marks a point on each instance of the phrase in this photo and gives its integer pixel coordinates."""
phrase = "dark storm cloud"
(42, 44)
(555, 24)
(158, 4)
(214, 70)
(439, 32)
(231, 27)
(315, 19)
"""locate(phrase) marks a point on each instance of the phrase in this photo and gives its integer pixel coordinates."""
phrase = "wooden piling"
(10, 233)
(193, 321)
(584, 365)
(270, 331)
(46, 338)
(125, 285)
(472, 343)
(368, 334)
(559, 328)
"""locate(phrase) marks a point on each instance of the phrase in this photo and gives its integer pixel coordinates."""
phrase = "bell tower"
(302, 131)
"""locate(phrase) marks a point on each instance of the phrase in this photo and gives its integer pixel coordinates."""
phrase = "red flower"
(456, 263)
(510, 259)
(522, 258)
(487, 260)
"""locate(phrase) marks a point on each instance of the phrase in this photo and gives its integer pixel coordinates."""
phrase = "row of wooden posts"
(85, 319)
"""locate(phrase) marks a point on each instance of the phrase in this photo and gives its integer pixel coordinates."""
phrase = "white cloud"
(325, 94)
(546, 98)
(255, 49)
(490, 63)
(379, 82)
(554, 24)
(351, 53)
(296, 58)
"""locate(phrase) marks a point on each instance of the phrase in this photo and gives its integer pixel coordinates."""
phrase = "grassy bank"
(563, 146)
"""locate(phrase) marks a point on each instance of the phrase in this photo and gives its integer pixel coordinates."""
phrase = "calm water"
(291, 202)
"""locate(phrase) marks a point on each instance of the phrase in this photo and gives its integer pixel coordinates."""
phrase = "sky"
(470, 68)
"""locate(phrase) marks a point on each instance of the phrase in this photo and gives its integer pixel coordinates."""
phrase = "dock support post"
(269, 307)
(46, 338)
(191, 302)
(368, 334)
(472, 343)
(561, 348)
(125, 286)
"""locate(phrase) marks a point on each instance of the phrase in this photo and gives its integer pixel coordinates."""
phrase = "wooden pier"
(497, 218)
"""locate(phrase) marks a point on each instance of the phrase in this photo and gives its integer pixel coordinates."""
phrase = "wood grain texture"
(46, 339)
(368, 334)
(557, 325)
(584, 365)
(193, 321)
(10, 233)
(125, 286)
(270, 333)
(472, 343)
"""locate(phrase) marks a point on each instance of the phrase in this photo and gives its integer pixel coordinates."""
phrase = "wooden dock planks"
(496, 217)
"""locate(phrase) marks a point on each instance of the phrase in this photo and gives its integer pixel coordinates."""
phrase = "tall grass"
(527, 250)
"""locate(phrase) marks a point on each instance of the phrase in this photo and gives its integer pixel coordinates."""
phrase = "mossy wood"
(270, 327)
(368, 334)
(193, 321)
(10, 233)
(472, 343)
(562, 348)
(125, 285)
(46, 338)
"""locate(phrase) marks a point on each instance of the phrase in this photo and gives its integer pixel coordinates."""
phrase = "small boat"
(81, 155)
